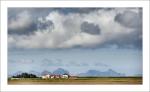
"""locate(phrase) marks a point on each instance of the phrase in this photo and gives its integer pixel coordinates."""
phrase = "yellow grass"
(80, 80)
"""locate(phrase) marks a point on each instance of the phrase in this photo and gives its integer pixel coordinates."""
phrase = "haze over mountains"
(91, 73)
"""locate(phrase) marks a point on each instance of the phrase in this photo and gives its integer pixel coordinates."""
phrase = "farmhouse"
(66, 76)
(46, 76)
(54, 76)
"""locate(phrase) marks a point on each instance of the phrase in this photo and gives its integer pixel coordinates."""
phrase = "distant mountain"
(60, 71)
(57, 71)
(108, 73)
(45, 72)
(94, 73)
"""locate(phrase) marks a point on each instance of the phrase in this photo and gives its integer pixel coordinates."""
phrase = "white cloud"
(22, 20)
(67, 32)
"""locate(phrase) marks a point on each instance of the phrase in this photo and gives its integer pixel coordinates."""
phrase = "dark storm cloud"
(132, 20)
(45, 25)
(76, 10)
(31, 24)
(90, 28)
(23, 31)
(21, 22)
(129, 19)
(132, 41)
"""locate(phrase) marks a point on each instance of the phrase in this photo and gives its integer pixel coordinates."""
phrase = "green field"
(79, 80)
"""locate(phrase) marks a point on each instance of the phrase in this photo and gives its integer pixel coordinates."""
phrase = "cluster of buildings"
(54, 76)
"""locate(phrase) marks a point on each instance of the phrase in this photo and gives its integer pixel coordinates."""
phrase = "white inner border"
(3, 65)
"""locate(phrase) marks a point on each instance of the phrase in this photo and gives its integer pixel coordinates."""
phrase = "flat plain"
(76, 81)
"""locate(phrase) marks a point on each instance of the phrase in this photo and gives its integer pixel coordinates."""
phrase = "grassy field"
(79, 80)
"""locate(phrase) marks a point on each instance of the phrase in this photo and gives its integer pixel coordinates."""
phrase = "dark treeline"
(25, 75)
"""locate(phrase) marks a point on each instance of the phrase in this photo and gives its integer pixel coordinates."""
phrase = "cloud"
(26, 61)
(21, 24)
(129, 19)
(22, 61)
(119, 27)
(48, 62)
(90, 28)
(22, 20)
(43, 24)
(100, 64)
(60, 62)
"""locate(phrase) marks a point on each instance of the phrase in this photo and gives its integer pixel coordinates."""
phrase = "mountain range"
(108, 73)
(94, 73)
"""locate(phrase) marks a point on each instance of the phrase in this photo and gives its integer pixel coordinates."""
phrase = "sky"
(75, 39)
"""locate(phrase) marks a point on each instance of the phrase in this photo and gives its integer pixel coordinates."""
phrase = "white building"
(48, 76)
(52, 76)
(66, 76)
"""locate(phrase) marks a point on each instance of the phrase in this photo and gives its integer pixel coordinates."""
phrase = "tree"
(25, 75)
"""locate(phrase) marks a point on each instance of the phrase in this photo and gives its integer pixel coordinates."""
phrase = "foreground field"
(79, 80)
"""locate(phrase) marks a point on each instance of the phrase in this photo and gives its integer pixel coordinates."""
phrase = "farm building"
(66, 76)
(46, 76)
(53, 76)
